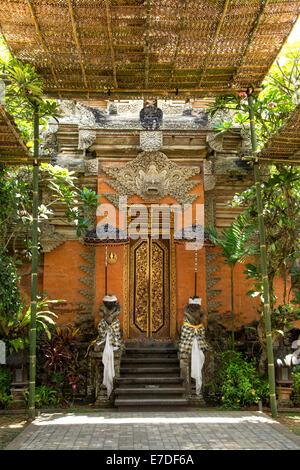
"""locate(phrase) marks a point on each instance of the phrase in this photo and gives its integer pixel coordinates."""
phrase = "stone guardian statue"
(109, 312)
(109, 333)
(192, 340)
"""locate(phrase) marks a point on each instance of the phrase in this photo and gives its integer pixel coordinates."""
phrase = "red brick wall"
(61, 279)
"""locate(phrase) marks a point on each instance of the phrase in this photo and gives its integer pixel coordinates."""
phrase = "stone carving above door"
(152, 176)
(151, 140)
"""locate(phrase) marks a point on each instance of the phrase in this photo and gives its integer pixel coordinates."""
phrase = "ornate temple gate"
(150, 277)
(149, 313)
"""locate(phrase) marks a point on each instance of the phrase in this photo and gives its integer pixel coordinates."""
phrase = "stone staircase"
(150, 377)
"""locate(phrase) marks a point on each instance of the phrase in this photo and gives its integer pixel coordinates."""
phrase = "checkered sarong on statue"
(188, 333)
(114, 331)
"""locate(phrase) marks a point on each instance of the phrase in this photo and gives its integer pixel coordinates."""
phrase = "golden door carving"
(149, 315)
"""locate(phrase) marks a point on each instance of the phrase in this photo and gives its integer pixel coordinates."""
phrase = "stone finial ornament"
(151, 116)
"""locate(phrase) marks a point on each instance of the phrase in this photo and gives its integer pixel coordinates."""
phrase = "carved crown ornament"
(152, 176)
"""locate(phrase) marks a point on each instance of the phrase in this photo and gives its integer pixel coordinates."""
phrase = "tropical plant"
(10, 298)
(235, 247)
(295, 397)
(15, 326)
(273, 105)
(5, 395)
(238, 382)
(59, 357)
(5, 399)
(25, 100)
(45, 396)
(16, 204)
(280, 189)
(24, 93)
(281, 201)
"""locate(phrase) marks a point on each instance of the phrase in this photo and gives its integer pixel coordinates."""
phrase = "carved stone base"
(96, 391)
(189, 383)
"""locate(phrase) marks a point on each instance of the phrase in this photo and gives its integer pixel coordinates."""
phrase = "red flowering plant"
(58, 357)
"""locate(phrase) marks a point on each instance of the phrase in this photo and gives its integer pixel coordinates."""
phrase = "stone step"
(156, 402)
(150, 376)
(149, 380)
(151, 351)
(149, 370)
(152, 345)
(149, 390)
(149, 360)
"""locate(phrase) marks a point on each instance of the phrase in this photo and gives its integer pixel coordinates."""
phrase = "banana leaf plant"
(15, 330)
(236, 247)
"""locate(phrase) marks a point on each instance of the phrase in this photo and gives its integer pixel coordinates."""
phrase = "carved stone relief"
(49, 238)
(215, 141)
(210, 209)
(209, 177)
(77, 113)
(86, 138)
(49, 143)
(246, 142)
(152, 176)
(219, 117)
(151, 140)
(91, 166)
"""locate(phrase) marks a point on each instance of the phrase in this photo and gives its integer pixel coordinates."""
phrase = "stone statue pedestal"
(189, 383)
(96, 391)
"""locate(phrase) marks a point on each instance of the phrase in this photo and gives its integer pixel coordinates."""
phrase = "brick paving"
(155, 430)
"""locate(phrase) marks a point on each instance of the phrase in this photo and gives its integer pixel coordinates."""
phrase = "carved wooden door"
(149, 290)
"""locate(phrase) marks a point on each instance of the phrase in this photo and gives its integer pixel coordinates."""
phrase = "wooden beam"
(147, 91)
(220, 24)
(272, 161)
(181, 26)
(250, 39)
(148, 7)
(110, 39)
(42, 41)
(76, 38)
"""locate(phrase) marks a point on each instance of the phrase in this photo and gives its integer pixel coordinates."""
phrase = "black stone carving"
(151, 117)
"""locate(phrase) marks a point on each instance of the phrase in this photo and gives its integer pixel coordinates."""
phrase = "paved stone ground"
(170, 430)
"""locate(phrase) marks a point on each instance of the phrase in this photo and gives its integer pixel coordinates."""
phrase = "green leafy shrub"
(239, 383)
(5, 395)
(295, 397)
(5, 399)
(44, 397)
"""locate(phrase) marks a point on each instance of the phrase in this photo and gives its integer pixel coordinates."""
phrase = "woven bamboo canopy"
(13, 150)
(130, 48)
(285, 144)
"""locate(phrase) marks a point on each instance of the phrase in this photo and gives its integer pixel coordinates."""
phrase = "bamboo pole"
(232, 305)
(32, 331)
(105, 270)
(196, 269)
(263, 258)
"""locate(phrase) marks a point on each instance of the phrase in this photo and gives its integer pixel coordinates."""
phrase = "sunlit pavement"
(183, 430)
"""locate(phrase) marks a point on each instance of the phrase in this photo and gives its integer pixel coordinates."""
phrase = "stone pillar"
(188, 383)
(96, 391)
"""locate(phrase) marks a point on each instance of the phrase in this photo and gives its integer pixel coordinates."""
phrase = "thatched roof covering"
(13, 150)
(285, 144)
(83, 48)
